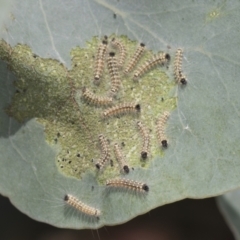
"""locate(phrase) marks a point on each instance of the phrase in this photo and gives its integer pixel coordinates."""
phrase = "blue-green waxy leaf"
(229, 206)
(49, 135)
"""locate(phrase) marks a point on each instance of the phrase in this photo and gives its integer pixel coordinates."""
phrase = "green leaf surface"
(203, 157)
(229, 206)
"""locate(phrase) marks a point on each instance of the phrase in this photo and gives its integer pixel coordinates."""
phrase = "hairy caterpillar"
(179, 76)
(120, 158)
(135, 58)
(99, 62)
(160, 59)
(102, 161)
(146, 140)
(114, 74)
(82, 207)
(128, 184)
(104, 144)
(105, 152)
(122, 51)
(91, 98)
(123, 108)
(160, 129)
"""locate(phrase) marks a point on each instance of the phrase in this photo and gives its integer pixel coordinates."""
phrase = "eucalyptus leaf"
(228, 204)
(203, 156)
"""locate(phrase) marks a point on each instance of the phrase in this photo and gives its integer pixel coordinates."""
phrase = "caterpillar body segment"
(122, 51)
(114, 74)
(128, 184)
(161, 124)
(160, 59)
(135, 58)
(178, 75)
(104, 144)
(82, 207)
(99, 62)
(124, 108)
(146, 139)
(102, 162)
(120, 158)
(105, 152)
(93, 99)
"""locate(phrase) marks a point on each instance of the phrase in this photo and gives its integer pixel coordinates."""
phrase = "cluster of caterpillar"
(99, 62)
(105, 152)
(160, 59)
(128, 184)
(179, 76)
(120, 158)
(93, 99)
(82, 207)
(146, 140)
(122, 51)
(121, 109)
(114, 73)
(161, 129)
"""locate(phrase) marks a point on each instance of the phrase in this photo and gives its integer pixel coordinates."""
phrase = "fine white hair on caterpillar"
(99, 60)
(161, 122)
(179, 76)
(121, 109)
(135, 58)
(120, 158)
(114, 74)
(93, 99)
(146, 139)
(80, 206)
(127, 184)
(160, 59)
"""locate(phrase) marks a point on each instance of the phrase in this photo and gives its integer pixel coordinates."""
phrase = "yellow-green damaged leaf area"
(51, 93)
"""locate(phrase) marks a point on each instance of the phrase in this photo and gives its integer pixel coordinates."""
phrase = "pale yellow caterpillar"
(135, 58)
(82, 207)
(114, 73)
(179, 76)
(120, 158)
(122, 51)
(93, 99)
(99, 62)
(120, 109)
(128, 184)
(160, 59)
(161, 129)
(105, 152)
(146, 140)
